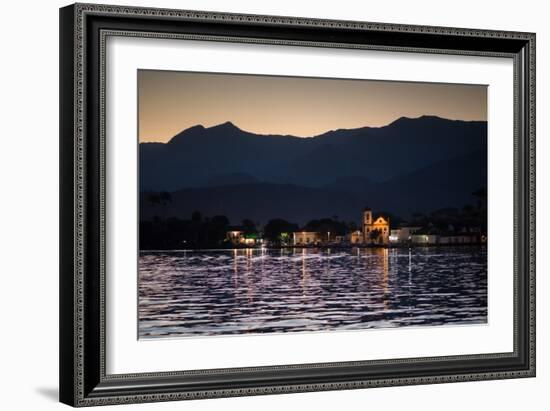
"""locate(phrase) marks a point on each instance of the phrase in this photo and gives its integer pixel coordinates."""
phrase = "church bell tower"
(367, 224)
(367, 216)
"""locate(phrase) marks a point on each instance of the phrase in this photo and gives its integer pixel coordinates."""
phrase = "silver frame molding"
(83, 34)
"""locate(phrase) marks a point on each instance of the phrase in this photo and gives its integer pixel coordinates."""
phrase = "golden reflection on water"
(382, 260)
(380, 263)
(305, 276)
(249, 284)
(235, 269)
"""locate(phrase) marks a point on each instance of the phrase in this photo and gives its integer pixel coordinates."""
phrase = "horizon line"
(231, 123)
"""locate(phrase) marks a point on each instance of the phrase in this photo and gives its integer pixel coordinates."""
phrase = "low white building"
(403, 234)
(356, 237)
(426, 239)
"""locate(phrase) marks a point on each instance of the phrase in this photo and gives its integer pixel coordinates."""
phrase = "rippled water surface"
(198, 293)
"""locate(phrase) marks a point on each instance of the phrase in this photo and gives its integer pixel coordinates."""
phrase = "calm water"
(198, 293)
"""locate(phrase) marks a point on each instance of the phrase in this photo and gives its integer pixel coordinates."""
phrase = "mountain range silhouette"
(410, 165)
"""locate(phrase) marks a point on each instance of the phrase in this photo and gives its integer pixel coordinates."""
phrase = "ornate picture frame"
(84, 30)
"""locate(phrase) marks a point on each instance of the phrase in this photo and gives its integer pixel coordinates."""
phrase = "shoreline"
(323, 247)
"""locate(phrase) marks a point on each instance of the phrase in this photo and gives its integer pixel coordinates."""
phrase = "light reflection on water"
(217, 292)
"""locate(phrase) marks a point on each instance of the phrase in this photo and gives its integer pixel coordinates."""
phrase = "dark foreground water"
(198, 293)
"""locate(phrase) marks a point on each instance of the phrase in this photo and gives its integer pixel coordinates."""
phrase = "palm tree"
(374, 235)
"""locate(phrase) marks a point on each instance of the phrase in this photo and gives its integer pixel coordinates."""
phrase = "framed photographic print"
(260, 204)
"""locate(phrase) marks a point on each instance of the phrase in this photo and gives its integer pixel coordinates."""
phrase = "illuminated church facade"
(374, 230)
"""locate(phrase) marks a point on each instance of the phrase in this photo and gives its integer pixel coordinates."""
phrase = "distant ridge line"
(229, 125)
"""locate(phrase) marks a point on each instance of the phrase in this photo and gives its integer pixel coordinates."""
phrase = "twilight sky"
(170, 102)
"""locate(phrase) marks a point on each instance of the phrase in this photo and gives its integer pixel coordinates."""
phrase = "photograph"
(284, 204)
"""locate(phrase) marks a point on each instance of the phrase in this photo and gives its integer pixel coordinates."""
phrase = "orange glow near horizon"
(170, 102)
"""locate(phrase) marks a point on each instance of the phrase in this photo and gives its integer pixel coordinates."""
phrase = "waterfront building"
(235, 237)
(239, 237)
(375, 230)
(431, 237)
(356, 237)
(424, 239)
(307, 238)
(403, 234)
